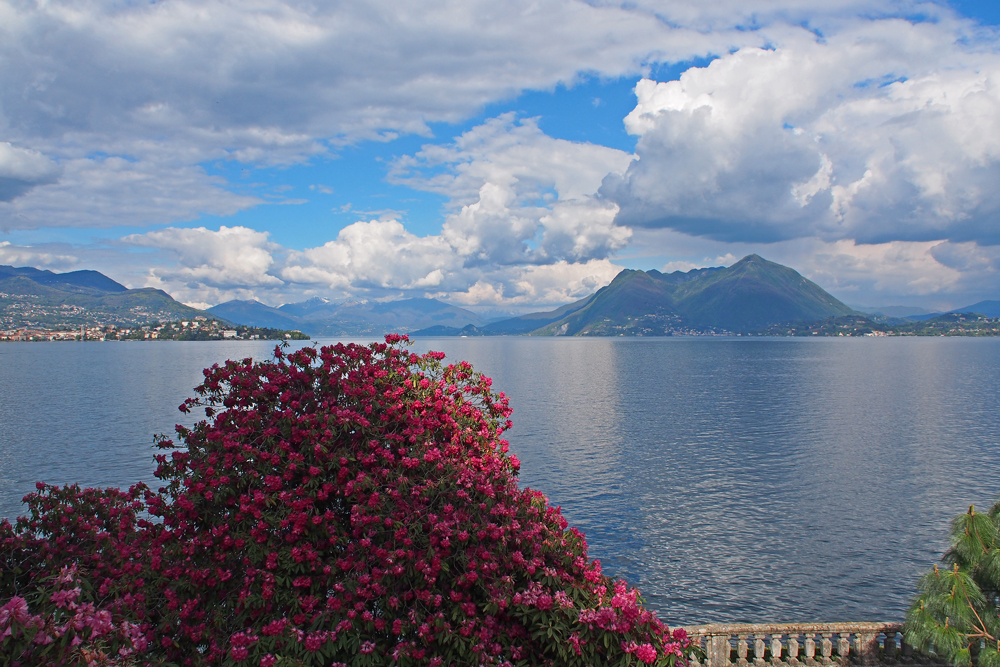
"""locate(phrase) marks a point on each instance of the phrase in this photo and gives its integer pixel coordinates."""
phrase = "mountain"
(527, 323)
(256, 314)
(438, 330)
(34, 297)
(753, 293)
(67, 282)
(322, 317)
(908, 312)
(987, 308)
(749, 295)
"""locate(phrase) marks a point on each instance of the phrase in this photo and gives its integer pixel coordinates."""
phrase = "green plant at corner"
(955, 614)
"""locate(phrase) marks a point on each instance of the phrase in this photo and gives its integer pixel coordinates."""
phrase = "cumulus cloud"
(383, 255)
(21, 170)
(885, 131)
(228, 258)
(375, 254)
(551, 284)
(518, 195)
(519, 200)
(13, 255)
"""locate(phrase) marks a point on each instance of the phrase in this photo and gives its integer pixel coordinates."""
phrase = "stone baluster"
(718, 650)
(906, 651)
(810, 648)
(827, 648)
(741, 650)
(775, 649)
(889, 652)
(793, 649)
(866, 644)
(843, 648)
(758, 650)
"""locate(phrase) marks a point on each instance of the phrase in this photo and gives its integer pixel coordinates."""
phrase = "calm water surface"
(729, 479)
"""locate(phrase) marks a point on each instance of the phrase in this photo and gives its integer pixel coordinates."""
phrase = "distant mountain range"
(321, 317)
(751, 295)
(987, 308)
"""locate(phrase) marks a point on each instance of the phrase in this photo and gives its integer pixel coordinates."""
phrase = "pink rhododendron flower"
(646, 653)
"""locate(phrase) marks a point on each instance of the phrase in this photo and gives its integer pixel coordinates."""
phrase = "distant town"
(88, 306)
(200, 328)
(30, 318)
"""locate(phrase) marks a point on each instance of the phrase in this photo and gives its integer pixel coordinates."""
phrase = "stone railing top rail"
(853, 627)
(865, 644)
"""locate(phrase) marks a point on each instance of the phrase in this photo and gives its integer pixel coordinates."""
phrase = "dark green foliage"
(955, 614)
(749, 295)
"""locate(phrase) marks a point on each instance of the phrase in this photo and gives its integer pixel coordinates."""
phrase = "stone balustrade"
(805, 644)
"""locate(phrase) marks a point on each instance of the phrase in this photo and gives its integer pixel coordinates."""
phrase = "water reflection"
(731, 480)
(743, 480)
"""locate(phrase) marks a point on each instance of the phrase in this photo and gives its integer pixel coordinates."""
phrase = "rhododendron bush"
(348, 505)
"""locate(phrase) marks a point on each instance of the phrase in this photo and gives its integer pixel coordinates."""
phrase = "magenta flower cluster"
(67, 630)
(352, 505)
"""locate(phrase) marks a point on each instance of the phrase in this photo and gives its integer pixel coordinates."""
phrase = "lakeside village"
(36, 318)
(200, 328)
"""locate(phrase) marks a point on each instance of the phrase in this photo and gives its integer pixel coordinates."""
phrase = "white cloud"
(21, 170)
(884, 131)
(509, 151)
(376, 254)
(537, 286)
(113, 191)
(233, 257)
(12, 255)
(521, 196)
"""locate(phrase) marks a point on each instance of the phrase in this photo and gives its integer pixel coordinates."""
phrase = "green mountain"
(73, 281)
(750, 295)
(754, 293)
(30, 297)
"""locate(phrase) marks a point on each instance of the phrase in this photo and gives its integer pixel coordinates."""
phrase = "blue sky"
(502, 157)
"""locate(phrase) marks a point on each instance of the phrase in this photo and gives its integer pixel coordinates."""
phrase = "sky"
(504, 157)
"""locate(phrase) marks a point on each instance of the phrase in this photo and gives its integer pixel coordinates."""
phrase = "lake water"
(728, 479)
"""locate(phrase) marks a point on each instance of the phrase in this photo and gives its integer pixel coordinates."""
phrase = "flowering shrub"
(66, 627)
(348, 505)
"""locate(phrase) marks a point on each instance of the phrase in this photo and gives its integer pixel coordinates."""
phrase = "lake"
(729, 479)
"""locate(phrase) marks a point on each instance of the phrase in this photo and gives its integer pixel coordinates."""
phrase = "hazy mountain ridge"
(321, 317)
